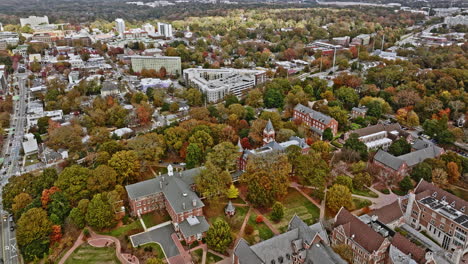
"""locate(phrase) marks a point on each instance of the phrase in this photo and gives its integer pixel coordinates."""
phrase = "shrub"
(277, 212)
(86, 232)
(248, 230)
(259, 219)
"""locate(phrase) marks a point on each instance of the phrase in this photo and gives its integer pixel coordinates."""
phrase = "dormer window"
(434, 194)
(280, 259)
(443, 198)
(462, 209)
(288, 256)
(273, 261)
(452, 204)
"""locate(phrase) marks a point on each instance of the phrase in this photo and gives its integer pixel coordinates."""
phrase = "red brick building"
(173, 192)
(317, 121)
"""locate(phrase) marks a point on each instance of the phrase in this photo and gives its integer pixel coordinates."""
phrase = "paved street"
(12, 164)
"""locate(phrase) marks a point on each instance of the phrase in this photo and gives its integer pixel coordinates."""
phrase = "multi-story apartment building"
(120, 26)
(173, 192)
(165, 29)
(440, 214)
(317, 121)
(217, 83)
(299, 244)
(171, 64)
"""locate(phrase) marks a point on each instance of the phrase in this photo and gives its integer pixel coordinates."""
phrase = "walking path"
(97, 240)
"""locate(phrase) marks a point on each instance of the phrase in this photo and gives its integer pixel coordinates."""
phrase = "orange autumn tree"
(46, 193)
(56, 234)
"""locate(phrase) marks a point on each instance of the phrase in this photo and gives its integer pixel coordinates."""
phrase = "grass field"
(197, 256)
(214, 211)
(367, 193)
(87, 254)
(212, 258)
(359, 203)
(156, 249)
(261, 231)
(296, 203)
(117, 232)
(155, 218)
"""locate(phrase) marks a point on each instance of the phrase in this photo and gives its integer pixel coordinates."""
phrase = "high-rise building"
(120, 26)
(171, 64)
(148, 28)
(34, 21)
(165, 29)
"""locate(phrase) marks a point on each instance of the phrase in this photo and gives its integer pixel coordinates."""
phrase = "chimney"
(183, 205)
(160, 185)
(194, 202)
(163, 178)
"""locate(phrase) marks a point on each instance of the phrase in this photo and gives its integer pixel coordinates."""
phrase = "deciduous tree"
(338, 196)
(219, 236)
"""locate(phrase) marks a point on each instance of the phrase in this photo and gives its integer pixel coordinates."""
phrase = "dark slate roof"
(176, 190)
(189, 230)
(269, 126)
(361, 109)
(245, 254)
(419, 156)
(110, 86)
(362, 234)
(388, 159)
(421, 144)
(281, 247)
(230, 207)
(313, 114)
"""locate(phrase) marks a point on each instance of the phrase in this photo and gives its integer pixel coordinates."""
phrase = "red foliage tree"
(46, 193)
(56, 234)
(259, 219)
(245, 143)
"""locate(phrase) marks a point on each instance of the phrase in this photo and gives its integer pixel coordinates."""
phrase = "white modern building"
(148, 28)
(456, 20)
(165, 29)
(171, 64)
(120, 26)
(30, 145)
(34, 21)
(217, 83)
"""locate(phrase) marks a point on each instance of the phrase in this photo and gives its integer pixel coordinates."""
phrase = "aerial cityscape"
(234, 131)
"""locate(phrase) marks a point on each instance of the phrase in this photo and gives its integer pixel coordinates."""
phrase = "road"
(12, 165)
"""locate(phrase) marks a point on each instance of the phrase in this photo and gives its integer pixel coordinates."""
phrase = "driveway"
(161, 235)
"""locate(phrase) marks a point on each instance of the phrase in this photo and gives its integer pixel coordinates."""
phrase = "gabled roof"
(193, 226)
(245, 254)
(358, 231)
(388, 159)
(365, 131)
(176, 190)
(419, 156)
(425, 188)
(388, 213)
(313, 114)
(408, 247)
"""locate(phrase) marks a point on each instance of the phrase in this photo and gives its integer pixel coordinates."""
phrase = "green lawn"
(214, 211)
(367, 193)
(212, 258)
(359, 203)
(197, 256)
(154, 218)
(296, 203)
(156, 249)
(87, 254)
(117, 232)
(261, 230)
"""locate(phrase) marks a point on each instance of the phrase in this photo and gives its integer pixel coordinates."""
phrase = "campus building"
(270, 145)
(217, 83)
(165, 29)
(34, 21)
(380, 135)
(120, 26)
(400, 166)
(173, 192)
(440, 214)
(317, 121)
(171, 64)
(299, 244)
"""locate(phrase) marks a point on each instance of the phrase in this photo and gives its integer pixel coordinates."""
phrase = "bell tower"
(268, 133)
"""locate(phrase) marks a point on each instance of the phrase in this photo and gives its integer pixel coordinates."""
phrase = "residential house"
(360, 111)
(173, 192)
(299, 244)
(110, 88)
(317, 121)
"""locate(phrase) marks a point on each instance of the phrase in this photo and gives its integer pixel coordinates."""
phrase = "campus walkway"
(97, 240)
